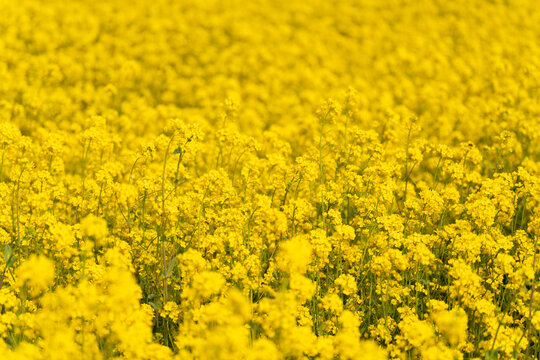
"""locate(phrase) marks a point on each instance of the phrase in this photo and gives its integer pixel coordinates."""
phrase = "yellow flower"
(95, 228)
(191, 195)
(453, 324)
(207, 283)
(295, 255)
(346, 283)
(36, 273)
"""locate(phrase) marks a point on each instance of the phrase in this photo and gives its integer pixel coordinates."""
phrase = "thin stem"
(2, 163)
(163, 218)
(18, 219)
(407, 163)
(532, 295)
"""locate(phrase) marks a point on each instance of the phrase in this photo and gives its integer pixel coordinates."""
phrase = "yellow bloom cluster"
(270, 179)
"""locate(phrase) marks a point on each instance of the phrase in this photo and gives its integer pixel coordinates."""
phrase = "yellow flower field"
(269, 179)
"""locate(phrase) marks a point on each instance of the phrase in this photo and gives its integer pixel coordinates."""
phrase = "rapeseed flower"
(294, 179)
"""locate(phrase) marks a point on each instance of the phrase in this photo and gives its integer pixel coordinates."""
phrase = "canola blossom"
(269, 179)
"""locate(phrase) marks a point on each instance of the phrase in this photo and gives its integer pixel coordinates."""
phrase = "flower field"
(269, 179)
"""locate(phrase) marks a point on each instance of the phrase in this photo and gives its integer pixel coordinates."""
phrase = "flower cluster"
(267, 180)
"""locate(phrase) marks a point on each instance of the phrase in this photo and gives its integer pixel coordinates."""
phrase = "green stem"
(2, 163)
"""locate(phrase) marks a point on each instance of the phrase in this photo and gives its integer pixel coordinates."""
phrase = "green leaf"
(8, 255)
(492, 354)
(172, 265)
(177, 151)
